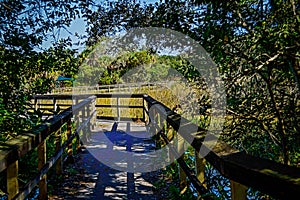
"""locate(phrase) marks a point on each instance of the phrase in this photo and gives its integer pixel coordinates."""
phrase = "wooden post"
(12, 180)
(147, 113)
(182, 180)
(59, 163)
(144, 111)
(35, 104)
(84, 130)
(41, 162)
(70, 158)
(118, 109)
(94, 113)
(169, 134)
(238, 191)
(155, 129)
(54, 104)
(88, 125)
(77, 124)
(182, 176)
(200, 168)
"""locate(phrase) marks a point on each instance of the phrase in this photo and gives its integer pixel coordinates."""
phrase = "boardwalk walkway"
(91, 179)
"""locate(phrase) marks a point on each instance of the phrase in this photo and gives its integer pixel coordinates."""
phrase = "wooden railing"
(116, 88)
(14, 149)
(243, 170)
(115, 104)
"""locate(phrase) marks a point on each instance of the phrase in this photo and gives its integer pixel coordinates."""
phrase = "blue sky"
(79, 26)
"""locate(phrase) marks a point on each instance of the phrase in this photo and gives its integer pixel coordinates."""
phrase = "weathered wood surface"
(15, 148)
(99, 181)
(273, 178)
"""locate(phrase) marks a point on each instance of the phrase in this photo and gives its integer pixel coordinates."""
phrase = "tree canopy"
(255, 44)
(28, 66)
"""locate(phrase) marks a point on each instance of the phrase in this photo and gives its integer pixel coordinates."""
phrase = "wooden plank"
(200, 168)
(144, 113)
(192, 177)
(103, 95)
(182, 180)
(55, 104)
(42, 156)
(94, 115)
(35, 104)
(182, 175)
(13, 149)
(121, 119)
(59, 163)
(118, 109)
(70, 158)
(116, 106)
(238, 191)
(12, 180)
(32, 183)
(276, 179)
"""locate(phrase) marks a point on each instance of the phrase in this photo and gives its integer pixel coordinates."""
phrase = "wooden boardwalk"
(89, 178)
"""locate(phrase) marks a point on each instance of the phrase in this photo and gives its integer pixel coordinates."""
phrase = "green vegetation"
(255, 44)
(27, 66)
(256, 47)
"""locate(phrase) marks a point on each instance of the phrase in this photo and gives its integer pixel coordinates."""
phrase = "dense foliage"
(28, 66)
(256, 46)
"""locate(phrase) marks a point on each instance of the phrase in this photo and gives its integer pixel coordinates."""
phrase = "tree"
(256, 46)
(27, 66)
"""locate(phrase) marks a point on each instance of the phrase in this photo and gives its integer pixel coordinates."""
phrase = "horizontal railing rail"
(114, 88)
(14, 149)
(243, 170)
(51, 103)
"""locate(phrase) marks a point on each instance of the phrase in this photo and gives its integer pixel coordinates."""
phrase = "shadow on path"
(88, 178)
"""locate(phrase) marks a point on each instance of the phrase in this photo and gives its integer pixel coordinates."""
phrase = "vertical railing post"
(54, 104)
(118, 109)
(12, 179)
(238, 191)
(200, 168)
(70, 158)
(83, 117)
(182, 175)
(77, 124)
(144, 110)
(59, 163)
(42, 156)
(88, 124)
(35, 104)
(94, 113)
(155, 125)
(170, 135)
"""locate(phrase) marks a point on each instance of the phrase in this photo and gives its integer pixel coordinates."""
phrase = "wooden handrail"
(242, 169)
(267, 176)
(110, 88)
(17, 147)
